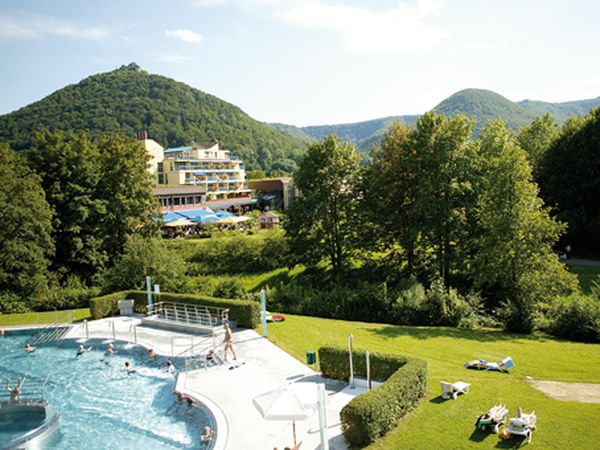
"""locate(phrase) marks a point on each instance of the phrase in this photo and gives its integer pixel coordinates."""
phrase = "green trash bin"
(311, 357)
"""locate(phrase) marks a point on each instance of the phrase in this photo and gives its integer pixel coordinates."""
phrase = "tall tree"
(570, 180)
(125, 188)
(443, 158)
(26, 223)
(69, 169)
(390, 191)
(322, 223)
(513, 245)
(536, 138)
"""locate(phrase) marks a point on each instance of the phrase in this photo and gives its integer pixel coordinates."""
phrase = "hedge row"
(246, 313)
(374, 413)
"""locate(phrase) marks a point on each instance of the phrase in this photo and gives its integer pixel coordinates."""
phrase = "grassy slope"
(42, 317)
(449, 424)
(587, 275)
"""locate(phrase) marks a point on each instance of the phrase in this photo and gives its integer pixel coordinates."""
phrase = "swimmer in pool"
(129, 368)
(170, 367)
(16, 391)
(29, 348)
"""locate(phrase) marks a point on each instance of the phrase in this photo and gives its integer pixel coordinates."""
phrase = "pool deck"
(228, 389)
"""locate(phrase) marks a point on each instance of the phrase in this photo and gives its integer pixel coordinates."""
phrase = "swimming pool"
(100, 405)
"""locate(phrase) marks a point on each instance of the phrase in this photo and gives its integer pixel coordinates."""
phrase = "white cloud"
(399, 29)
(184, 35)
(38, 26)
(174, 58)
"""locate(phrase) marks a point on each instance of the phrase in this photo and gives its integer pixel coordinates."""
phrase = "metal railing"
(206, 316)
(48, 333)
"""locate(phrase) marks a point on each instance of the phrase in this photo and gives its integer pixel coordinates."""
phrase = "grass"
(587, 275)
(449, 424)
(252, 281)
(34, 318)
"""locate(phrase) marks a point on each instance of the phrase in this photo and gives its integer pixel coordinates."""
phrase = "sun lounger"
(504, 365)
(523, 425)
(492, 419)
(451, 390)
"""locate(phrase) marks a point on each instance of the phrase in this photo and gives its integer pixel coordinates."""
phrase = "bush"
(146, 257)
(246, 313)
(107, 305)
(374, 413)
(11, 303)
(576, 317)
(230, 289)
(436, 306)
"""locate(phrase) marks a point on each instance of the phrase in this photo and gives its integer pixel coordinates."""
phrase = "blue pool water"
(100, 405)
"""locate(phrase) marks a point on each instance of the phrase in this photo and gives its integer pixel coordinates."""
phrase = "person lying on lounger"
(482, 364)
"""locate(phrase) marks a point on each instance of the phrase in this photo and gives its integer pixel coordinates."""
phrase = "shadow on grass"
(513, 442)
(488, 335)
(479, 436)
(439, 399)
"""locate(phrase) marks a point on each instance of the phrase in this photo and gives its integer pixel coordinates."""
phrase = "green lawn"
(449, 424)
(587, 275)
(34, 318)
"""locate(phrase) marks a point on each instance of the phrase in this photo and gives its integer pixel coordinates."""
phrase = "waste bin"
(311, 357)
(126, 307)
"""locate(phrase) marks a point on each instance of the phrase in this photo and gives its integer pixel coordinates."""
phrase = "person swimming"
(109, 349)
(129, 368)
(151, 354)
(81, 350)
(15, 392)
(170, 367)
(29, 348)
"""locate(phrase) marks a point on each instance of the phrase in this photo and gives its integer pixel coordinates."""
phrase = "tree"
(570, 180)
(69, 170)
(513, 254)
(322, 223)
(390, 192)
(125, 188)
(26, 223)
(536, 138)
(144, 257)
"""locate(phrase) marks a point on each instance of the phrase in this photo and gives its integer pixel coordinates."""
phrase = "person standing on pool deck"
(228, 341)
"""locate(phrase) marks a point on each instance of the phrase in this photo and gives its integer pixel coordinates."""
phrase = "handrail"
(190, 313)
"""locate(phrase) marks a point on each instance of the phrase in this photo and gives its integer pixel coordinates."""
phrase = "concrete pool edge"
(222, 425)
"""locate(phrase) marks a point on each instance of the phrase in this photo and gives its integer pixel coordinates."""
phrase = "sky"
(309, 62)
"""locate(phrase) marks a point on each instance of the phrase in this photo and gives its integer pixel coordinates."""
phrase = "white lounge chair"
(451, 390)
(523, 425)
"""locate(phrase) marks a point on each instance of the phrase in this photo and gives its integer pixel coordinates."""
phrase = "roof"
(268, 214)
(183, 190)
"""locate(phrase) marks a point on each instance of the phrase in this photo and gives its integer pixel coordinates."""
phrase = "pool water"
(101, 406)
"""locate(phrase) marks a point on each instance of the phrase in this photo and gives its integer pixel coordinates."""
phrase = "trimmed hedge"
(246, 313)
(374, 413)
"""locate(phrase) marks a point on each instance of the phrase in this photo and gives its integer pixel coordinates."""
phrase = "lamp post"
(263, 312)
(351, 366)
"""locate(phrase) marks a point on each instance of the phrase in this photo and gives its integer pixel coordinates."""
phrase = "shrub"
(11, 303)
(437, 306)
(106, 305)
(230, 289)
(246, 313)
(146, 257)
(576, 317)
(374, 413)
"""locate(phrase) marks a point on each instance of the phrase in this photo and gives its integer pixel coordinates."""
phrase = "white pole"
(368, 357)
(114, 331)
(351, 366)
(263, 312)
(135, 333)
(87, 328)
(322, 405)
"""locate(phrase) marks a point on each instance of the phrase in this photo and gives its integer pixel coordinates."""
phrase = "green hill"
(482, 105)
(129, 99)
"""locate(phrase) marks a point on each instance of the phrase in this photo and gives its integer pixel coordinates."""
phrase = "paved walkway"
(582, 262)
(228, 389)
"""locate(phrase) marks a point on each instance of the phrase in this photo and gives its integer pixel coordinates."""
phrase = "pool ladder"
(49, 333)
